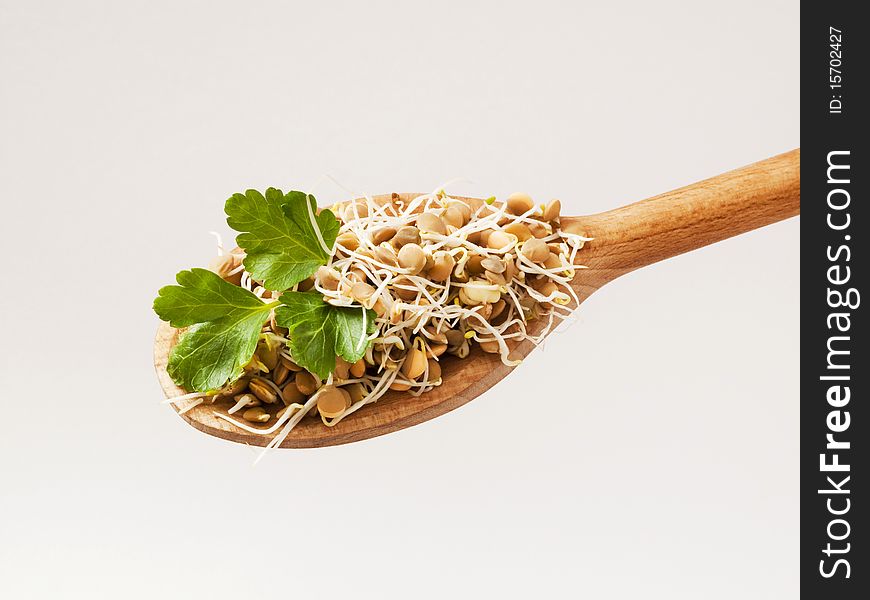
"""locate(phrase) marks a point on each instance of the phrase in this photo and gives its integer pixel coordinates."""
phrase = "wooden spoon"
(625, 239)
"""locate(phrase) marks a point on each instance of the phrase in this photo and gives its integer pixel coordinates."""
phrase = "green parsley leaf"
(226, 322)
(319, 331)
(209, 355)
(277, 234)
(202, 296)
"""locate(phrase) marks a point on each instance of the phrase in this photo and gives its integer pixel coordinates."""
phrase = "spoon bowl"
(624, 239)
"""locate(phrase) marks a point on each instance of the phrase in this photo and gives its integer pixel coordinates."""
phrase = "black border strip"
(834, 223)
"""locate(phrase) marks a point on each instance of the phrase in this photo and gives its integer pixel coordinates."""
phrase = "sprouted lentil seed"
(441, 275)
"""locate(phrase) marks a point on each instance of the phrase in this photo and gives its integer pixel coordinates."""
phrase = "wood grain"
(625, 239)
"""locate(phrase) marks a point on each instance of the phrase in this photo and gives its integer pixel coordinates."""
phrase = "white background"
(650, 451)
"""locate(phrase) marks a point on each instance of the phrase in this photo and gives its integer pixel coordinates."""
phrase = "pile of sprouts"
(442, 274)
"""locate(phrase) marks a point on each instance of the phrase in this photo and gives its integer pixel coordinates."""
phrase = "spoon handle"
(651, 230)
